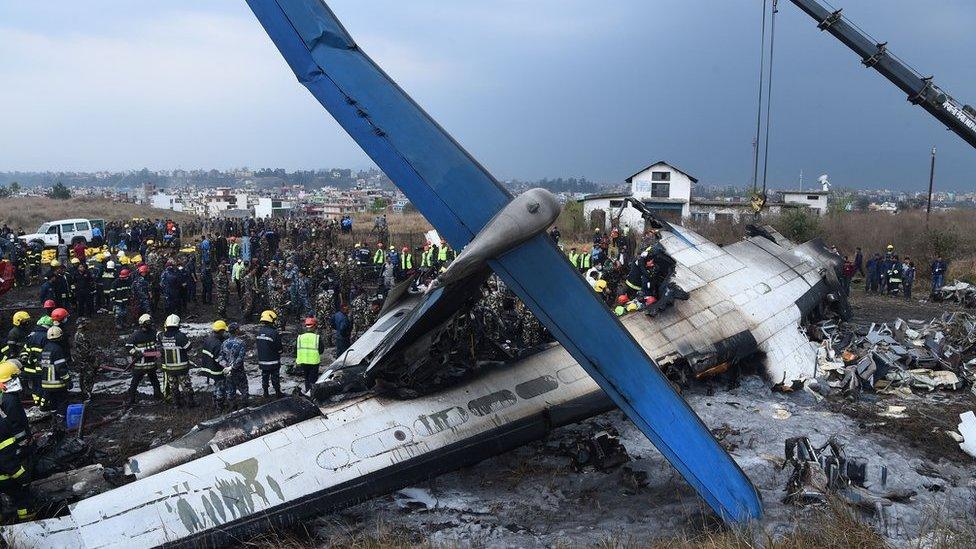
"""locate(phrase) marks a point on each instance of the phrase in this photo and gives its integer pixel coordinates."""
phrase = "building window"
(616, 203)
(661, 190)
(660, 176)
(699, 217)
(813, 197)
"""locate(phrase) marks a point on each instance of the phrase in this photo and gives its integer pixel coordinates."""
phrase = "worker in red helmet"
(141, 294)
(143, 269)
(49, 306)
(59, 315)
(308, 354)
(121, 295)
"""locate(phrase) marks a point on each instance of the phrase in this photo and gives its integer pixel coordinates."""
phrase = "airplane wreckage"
(271, 466)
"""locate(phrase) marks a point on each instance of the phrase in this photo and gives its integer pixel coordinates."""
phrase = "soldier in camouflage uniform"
(532, 330)
(221, 289)
(324, 310)
(364, 314)
(87, 356)
(276, 299)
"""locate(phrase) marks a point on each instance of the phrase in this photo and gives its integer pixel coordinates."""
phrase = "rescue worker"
(268, 346)
(83, 283)
(427, 257)
(14, 346)
(174, 347)
(144, 354)
(209, 367)
(140, 290)
(444, 253)
(232, 354)
(308, 353)
(55, 366)
(14, 441)
(32, 367)
(379, 258)
(107, 284)
(406, 263)
(121, 294)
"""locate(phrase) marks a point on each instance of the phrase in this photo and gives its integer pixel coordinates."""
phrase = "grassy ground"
(30, 212)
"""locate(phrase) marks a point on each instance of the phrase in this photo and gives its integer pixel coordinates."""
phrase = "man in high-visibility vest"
(14, 441)
(406, 263)
(427, 257)
(308, 354)
(574, 257)
(379, 256)
(444, 253)
(583, 262)
(175, 349)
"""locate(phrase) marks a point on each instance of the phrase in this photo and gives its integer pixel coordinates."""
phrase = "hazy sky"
(532, 88)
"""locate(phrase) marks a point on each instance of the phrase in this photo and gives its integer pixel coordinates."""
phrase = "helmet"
(102, 256)
(600, 286)
(891, 247)
(49, 304)
(124, 260)
(54, 332)
(150, 242)
(631, 307)
(125, 274)
(219, 326)
(120, 255)
(55, 263)
(144, 319)
(59, 314)
(8, 369)
(143, 270)
(172, 321)
(622, 299)
(45, 321)
(110, 265)
(310, 322)
(75, 261)
(392, 249)
(650, 300)
(269, 316)
(406, 249)
(20, 317)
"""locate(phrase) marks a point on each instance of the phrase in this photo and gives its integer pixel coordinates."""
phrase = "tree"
(378, 205)
(4, 192)
(14, 188)
(59, 192)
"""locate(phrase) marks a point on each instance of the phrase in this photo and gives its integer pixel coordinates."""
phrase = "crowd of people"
(889, 274)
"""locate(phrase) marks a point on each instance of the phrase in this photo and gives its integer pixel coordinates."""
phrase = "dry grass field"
(30, 212)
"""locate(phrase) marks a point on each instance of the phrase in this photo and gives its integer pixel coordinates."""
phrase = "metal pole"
(928, 208)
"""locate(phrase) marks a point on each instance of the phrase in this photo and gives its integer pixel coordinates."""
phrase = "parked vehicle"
(64, 231)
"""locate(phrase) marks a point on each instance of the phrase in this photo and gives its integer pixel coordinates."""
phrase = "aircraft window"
(536, 387)
(390, 322)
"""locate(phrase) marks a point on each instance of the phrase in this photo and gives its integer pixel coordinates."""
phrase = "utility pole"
(928, 208)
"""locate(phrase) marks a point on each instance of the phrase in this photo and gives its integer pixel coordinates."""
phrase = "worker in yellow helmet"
(14, 441)
(14, 345)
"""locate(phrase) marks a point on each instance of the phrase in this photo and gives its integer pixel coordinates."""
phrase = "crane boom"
(921, 91)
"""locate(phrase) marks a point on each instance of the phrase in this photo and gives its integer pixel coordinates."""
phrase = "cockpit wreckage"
(234, 477)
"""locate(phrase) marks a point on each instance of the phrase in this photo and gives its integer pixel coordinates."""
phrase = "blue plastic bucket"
(72, 419)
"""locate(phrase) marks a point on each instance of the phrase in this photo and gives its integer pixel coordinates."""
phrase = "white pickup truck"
(65, 231)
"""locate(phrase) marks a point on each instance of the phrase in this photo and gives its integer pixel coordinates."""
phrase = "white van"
(65, 231)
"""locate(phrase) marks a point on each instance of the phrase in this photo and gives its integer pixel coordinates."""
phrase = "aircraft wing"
(459, 197)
